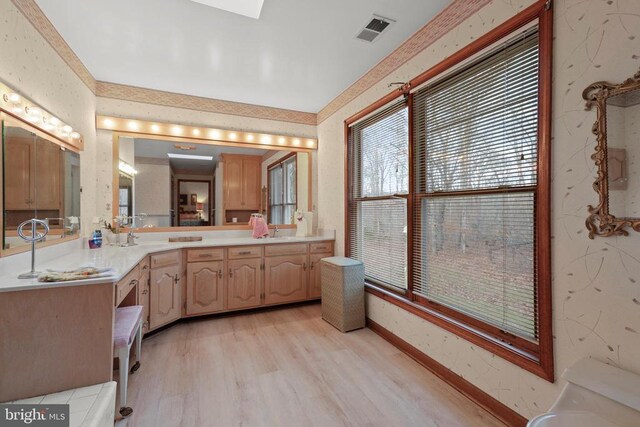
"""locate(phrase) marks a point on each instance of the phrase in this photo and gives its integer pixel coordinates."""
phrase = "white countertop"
(123, 259)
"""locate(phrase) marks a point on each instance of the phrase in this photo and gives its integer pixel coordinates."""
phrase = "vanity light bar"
(19, 106)
(119, 124)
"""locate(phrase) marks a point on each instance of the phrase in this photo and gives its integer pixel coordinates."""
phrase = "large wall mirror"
(41, 179)
(617, 156)
(172, 183)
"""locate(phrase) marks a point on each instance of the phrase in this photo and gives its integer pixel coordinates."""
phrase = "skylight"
(250, 8)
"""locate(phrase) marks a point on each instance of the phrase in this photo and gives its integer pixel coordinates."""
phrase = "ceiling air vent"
(376, 25)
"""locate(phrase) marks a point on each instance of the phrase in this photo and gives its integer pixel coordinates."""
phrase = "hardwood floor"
(286, 367)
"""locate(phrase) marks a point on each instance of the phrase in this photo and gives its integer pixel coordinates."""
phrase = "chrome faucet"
(131, 238)
(275, 231)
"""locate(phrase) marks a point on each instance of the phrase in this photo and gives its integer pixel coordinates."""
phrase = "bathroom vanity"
(70, 324)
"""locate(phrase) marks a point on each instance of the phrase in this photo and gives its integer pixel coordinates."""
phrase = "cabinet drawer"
(167, 258)
(316, 248)
(245, 252)
(295, 249)
(208, 254)
(124, 286)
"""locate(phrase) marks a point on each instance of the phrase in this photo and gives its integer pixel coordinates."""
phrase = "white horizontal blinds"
(480, 124)
(282, 191)
(290, 181)
(475, 167)
(477, 256)
(379, 182)
(276, 199)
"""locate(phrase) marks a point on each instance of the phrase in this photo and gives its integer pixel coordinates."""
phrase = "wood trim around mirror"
(116, 180)
(8, 119)
(600, 221)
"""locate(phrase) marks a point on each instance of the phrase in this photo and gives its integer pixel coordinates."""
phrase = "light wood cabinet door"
(19, 174)
(48, 182)
(205, 287)
(233, 183)
(315, 282)
(244, 286)
(285, 279)
(164, 296)
(251, 184)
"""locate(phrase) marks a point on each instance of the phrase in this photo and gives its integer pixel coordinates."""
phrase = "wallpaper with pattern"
(596, 283)
(33, 68)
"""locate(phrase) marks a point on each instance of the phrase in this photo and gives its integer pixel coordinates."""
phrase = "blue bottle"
(96, 240)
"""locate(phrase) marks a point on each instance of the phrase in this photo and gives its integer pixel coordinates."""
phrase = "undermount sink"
(284, 238)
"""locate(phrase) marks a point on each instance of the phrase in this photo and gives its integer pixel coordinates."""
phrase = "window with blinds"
(378, 188)
(282, 190)
(475, 156)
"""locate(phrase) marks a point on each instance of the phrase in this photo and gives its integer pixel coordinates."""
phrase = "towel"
(260, 228)
(77, 274)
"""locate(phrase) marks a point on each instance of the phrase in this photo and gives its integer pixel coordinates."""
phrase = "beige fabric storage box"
(343, 293)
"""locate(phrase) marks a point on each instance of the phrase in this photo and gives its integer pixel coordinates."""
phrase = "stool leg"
(123, 361)
(138, 349)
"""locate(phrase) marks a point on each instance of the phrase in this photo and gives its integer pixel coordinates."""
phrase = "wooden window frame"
(535, 358)
(278, 162)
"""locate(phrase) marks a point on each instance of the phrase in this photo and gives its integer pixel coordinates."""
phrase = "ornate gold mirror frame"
(600, 221)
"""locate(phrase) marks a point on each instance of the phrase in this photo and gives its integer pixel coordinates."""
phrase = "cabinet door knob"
(144, 292)
(176, 279)
(230, 273)
(304, 266)
(311, 266)
(219, 274)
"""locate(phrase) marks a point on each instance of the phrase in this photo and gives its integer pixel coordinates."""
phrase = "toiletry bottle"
(96, 240)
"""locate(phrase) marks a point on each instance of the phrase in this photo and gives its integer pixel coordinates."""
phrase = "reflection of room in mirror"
(623, 152)
(180, 184)
(41, 180)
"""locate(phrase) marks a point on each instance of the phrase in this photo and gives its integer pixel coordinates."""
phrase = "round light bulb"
(67, 129)
(250, 137)
(13, 97)
(233, 135)
(75, 135)
(155, 128)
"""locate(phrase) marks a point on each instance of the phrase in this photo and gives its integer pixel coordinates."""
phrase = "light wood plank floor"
(286, 367)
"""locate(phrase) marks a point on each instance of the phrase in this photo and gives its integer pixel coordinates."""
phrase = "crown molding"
(452, 16)
(190, 102)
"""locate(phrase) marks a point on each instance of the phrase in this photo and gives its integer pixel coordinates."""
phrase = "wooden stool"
(128, 327)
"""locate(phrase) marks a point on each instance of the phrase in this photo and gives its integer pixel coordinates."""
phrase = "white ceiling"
(299, 55)
(159, 150)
